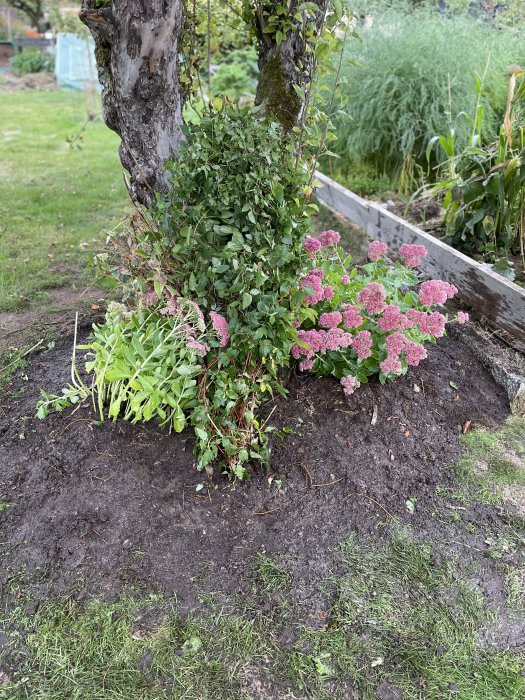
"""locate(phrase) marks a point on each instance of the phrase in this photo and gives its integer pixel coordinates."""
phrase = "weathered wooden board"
(487, 292)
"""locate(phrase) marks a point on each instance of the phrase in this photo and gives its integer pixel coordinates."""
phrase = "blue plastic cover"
(75, 65)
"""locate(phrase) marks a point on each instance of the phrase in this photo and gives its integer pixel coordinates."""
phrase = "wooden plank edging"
(487, 292)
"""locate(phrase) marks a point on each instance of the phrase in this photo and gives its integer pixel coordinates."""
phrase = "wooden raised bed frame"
(485, 291)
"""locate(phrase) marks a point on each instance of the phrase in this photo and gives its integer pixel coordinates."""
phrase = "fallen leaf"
(95, 307)
(374, 415)
(466, 426)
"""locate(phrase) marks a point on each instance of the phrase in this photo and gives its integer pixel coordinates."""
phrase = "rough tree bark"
(137, 43)
(284, 65)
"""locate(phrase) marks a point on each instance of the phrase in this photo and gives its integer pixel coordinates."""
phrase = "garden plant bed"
(94, 510)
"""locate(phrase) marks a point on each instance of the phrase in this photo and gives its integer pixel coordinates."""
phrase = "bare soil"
(93, 509)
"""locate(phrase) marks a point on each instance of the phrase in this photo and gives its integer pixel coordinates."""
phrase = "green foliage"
(485, 189)
(32, 60)
(229, 238)
(237, 76)
(414, 80)
(144, 367)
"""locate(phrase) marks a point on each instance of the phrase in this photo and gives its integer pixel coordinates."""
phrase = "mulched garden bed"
(94, 509)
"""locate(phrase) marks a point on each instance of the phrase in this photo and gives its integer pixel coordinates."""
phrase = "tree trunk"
(137, 44)
(285, 64)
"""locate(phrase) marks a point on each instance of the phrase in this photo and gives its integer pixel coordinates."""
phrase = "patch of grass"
(402, 615)
(495, 459)
(270, 575)
(138, 650)
(410, 621)
(56, 201)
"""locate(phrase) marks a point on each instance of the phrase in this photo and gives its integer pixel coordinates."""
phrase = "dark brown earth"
(95, 509)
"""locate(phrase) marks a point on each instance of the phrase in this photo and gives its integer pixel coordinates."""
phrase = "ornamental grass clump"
(369, 322)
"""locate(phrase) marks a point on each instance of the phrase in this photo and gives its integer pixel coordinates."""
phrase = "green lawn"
(56, 199)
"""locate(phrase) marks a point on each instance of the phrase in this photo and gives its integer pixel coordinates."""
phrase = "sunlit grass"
(56, 200)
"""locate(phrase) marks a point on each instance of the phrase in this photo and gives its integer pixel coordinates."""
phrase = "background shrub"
(31, 60)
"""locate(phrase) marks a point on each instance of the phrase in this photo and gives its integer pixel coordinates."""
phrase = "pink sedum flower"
(412, 253)
(306, 365)
(391, 365)
(351, 316)
(436, 292)
(349, 384)
(312, 282)
(362, 344)
(200, 348)
(330, 320)
(220, 326)
(328, 292)
(433, 324)
(337, 339)
(312, 245)
(392, 319)
(414, 353)
(372, 297)
(345, 279)
(329, 237)
(463, 317)
(377, 250)
(395, 343)
(149, 299)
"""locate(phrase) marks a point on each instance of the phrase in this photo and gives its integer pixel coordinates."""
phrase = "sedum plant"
(372, 321)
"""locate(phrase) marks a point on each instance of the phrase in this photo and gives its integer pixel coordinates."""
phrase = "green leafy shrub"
(31, 60)
(229, 240)
(371, 322)
(414, 79)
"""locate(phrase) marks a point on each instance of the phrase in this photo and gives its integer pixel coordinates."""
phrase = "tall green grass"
(415, 79)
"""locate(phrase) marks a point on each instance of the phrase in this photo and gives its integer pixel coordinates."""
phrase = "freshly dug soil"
(94, 509)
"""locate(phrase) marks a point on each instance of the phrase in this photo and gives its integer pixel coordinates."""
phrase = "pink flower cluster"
(362, 344)
(372, 297)
(320, 342)
(412, 253)
(200, 348)
(392, 319)
(313, 281)
(377, 250)
(326, 238)
(429, 324)
(352, 316)
(349, 384)
(329, 238)
(397, 343)
(330, 320)
(312, 245)
(462, 317)
(220, 326)
(436, 292)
